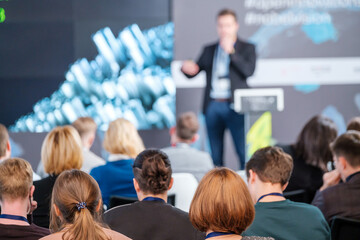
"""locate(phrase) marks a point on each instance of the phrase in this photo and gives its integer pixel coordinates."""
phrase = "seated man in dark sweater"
(268, 173)
(342, 199)
(152, 217)
(16, 192)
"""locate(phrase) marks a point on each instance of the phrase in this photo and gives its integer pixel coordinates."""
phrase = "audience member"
(268, 173)
(76, 209)
(222, 206)
(86, 128)
(311, 154)
(152, 217)
(16, 196)
(184, 158)
(354, 124)
(5, 147)
(337, 198)
(123, 143)
(60, 151)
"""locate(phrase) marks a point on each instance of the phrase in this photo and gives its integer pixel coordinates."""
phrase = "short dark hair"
(152, 171)
(187, 126)
(313, 143)
(354, 124)
(4, 138)
(271, 164)
(225, 12)
(347, 145)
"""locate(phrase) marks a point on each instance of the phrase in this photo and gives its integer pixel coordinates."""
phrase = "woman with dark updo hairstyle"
(152, 217)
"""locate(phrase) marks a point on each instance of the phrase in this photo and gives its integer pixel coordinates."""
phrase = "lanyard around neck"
(153, 199)
(270, 194)
(215, 234)
(14, 217)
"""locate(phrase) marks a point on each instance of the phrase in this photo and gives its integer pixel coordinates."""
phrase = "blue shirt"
(115, 179)
(220, 81)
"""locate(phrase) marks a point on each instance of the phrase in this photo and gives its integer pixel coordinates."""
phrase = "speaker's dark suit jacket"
(242, 65)
(152, 220)
(342, 199)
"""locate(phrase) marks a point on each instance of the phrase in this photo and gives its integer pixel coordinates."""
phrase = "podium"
(254, 101)
(258, 100)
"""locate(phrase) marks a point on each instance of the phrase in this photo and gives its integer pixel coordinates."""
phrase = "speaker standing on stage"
(227, 63)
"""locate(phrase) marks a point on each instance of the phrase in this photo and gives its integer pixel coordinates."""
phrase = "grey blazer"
(185, 159)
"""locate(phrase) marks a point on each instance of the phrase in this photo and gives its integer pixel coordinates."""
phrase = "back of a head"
(354, 124)
(61, 150)
(15, 179)
(84, 126)
(123, 138)
(222, 203)
(152, 171)
(313, 142)
(187, 126)
(4, 138)
(77, 196)
(271, 164)
(347, 145)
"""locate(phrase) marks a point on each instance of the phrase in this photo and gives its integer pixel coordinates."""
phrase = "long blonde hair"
(123, 138)
(72, 188)
(61, 150)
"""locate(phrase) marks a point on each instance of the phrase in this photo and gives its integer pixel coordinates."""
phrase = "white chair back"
(184, 188)
(242, 174)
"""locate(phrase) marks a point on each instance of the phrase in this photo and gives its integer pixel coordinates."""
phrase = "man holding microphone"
(227, 63)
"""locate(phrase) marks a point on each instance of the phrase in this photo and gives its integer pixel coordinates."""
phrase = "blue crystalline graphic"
(129, 78)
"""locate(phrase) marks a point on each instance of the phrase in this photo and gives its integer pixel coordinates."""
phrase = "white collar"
(116, 157)
(182, 145)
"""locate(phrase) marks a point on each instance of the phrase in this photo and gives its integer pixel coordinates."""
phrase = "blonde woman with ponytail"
(76, 209)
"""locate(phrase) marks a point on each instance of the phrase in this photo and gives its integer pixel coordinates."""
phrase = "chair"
(296, 195)
(242, 174)
(184, 188)
(171, 199)
(118, 201)
(345, 228)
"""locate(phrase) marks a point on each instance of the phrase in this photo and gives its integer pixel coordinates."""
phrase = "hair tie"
(81, 205)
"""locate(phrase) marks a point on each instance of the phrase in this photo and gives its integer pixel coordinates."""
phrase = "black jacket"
(42, 194)
(340, 200)
(152, 220)
(303, 176)
(242, 66)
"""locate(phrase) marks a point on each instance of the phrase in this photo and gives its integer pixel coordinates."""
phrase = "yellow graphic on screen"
(2, 15)
(259, 135)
